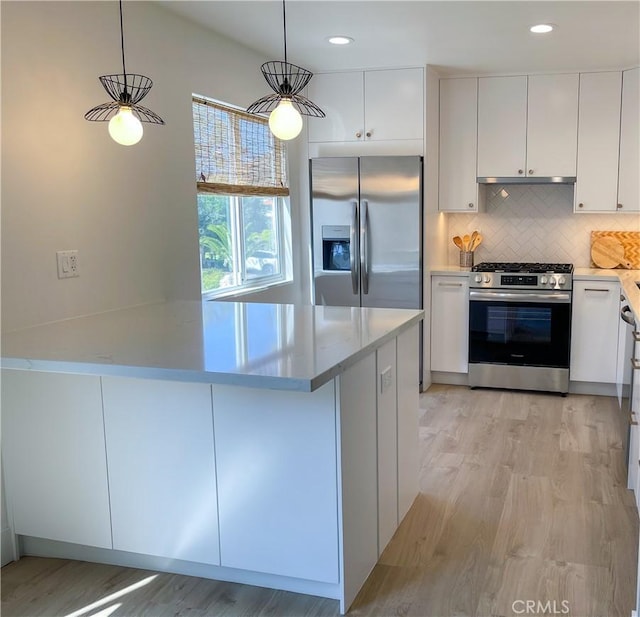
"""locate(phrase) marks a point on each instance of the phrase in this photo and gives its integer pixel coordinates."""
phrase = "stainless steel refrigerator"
(367, 231)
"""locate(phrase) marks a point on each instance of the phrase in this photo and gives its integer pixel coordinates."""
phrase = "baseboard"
(39, 547)
(595, 389)
(451, 379)
(6, 549)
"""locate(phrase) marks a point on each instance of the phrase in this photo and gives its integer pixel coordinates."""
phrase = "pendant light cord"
(284, 27)
(124, 70)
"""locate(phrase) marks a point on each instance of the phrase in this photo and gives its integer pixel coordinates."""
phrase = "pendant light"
(285, 106)
(124, 115)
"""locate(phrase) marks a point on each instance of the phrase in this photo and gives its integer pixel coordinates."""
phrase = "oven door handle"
(527, 296)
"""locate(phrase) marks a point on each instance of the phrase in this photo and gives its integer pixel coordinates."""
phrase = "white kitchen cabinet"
(629, 170)
(159, 441)
(450, 324)
(54, 458)
(457, 186)
(368, 106)
(277, 472)
(598, 142)
(502, 126)
(552, 125)
(527, 126)
(387, 429)
(594, 331)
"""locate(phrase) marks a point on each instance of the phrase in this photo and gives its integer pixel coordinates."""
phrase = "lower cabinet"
(162, 475)
(54, 458)
(594, 331)
(277, 470)
(450, 324)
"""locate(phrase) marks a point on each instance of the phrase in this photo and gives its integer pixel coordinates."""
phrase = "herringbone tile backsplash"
(534, 223)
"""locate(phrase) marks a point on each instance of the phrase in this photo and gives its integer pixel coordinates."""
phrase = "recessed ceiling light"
(541, 28)
(340, 40)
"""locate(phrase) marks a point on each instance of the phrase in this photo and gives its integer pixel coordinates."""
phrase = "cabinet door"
(450, 324)
(502, 126)
(387, 443)
(598, 142)
(277, 474)
(629, 178)
(594, 331)
(394, 104)
(54, 457)
(161, 468)
(341, 97)
(458, 189)
(552, 125)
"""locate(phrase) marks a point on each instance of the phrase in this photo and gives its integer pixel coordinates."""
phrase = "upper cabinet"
(598, 142)
(368, 106)
(628, 179)
(457, 186)
(527, 126)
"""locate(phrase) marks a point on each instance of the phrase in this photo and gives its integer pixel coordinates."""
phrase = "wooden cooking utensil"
(457, 240)
(472, 242)
(608, 253)
(476, 242)
(465, 242)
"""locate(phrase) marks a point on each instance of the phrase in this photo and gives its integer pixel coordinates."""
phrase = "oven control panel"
(499, 280)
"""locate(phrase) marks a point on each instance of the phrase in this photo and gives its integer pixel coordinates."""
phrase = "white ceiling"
(457, 37)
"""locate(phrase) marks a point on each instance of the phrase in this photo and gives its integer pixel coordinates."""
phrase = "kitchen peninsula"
(274, 445)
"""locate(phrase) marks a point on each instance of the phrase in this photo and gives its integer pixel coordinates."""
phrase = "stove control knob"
(562, 281)
(487, 278)
(552, 281)
(543, 280)
(478, 278)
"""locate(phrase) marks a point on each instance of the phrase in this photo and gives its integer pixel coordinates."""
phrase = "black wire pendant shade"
(287, 81)
(126, 90)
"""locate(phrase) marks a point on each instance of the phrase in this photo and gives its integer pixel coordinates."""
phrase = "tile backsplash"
(534, 223)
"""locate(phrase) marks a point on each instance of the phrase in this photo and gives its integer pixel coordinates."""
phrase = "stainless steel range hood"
(528, 180)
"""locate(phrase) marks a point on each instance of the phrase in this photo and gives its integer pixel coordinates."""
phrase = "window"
(243, 193)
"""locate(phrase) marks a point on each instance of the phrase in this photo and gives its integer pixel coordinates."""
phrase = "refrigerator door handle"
(364, 245)
(353, 252)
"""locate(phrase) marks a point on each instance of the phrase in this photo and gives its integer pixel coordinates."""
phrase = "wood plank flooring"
(522, 499)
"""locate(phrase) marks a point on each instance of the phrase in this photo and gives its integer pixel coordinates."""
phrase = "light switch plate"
(67, 264)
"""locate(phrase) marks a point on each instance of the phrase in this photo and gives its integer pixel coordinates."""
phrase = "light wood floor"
(522, 499)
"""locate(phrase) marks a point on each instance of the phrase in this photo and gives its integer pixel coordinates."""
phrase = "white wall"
(131, 212)
(534, 223)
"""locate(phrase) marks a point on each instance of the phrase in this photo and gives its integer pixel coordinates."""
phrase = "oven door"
(520, 327)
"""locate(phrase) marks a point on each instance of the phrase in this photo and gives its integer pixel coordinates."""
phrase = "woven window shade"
(236, 153)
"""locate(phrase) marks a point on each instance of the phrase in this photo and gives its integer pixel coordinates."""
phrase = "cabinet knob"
(470, 205)
(531, 172)
(619, 206)
(520, 171)
(580, 205)
(369, 133)
(359, 134)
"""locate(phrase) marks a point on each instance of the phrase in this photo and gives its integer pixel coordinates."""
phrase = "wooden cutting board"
(607, 252)
(630, 241)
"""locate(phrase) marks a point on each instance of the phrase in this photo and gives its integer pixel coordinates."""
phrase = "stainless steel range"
(520, 326)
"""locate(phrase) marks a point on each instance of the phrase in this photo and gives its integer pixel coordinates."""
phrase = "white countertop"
(275, 346)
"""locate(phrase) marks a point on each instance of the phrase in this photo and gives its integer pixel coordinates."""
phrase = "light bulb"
(125, 128)
(285, 121)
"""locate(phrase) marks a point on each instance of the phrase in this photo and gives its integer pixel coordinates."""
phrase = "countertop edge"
(269, 382)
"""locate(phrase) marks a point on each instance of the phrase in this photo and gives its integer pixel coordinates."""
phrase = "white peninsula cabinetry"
(527, 126)
(178, 432)
(369, 106)
(450, 323)
(594, 331)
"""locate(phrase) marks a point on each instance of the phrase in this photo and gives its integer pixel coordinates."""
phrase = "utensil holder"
(466, 259)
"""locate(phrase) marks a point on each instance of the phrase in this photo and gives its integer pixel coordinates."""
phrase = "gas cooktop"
(533, 268)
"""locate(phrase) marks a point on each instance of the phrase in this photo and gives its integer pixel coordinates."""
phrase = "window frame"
(281, 224)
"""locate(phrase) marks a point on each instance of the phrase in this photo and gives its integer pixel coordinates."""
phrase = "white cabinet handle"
(359, 134)
(450, 284)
